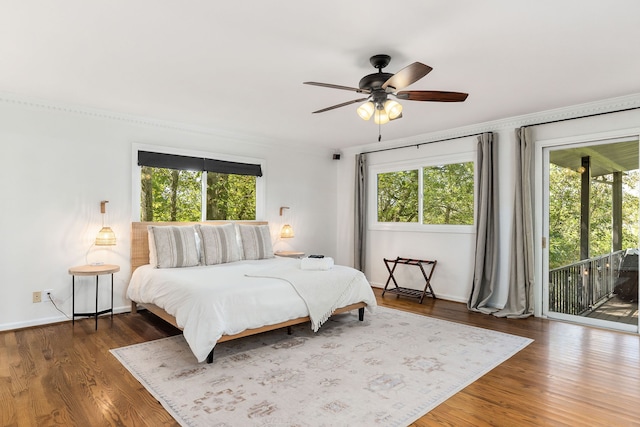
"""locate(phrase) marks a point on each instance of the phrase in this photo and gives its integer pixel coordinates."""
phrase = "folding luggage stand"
(408, 292)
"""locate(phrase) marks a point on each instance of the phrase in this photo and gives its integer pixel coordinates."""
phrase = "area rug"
(386, 371)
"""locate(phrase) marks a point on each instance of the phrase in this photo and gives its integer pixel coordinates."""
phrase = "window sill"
(423, 228)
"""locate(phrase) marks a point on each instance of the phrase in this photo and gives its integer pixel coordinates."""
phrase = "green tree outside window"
(448, 195)
(176, 195)
(564, 214)
(398, 196)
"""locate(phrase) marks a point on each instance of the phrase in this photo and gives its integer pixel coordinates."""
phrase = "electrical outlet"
(37, 296)
(47, 294)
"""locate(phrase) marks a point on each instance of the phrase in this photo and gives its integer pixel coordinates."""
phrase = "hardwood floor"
(569, 376)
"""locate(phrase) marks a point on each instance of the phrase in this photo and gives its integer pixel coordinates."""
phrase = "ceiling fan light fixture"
(381, 117)
(378, 87)
(365, 111)
(393, 109)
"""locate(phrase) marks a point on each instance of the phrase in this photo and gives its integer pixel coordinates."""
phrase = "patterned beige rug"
(386, 371)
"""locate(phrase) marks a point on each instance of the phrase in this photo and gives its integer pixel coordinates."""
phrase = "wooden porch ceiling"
(605, 159)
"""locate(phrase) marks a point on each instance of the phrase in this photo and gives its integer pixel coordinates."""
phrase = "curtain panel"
(485, 271)
(520, 298)
(485, 280)
(360, 215)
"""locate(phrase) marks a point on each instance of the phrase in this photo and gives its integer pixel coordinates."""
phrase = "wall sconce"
(106, 236)
(287, 230)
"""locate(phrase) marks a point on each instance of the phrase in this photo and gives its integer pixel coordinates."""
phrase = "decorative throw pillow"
(219, 244)
(239, 240)
(175, 246)
(153, 258)
(256, 241)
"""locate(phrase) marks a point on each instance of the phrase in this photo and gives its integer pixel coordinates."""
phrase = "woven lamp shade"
(106, 237)
(286, 232)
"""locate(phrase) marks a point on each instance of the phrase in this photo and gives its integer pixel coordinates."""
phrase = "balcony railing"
(580, 287)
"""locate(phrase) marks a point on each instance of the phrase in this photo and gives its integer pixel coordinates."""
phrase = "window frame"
(372, 208)
(136, 190)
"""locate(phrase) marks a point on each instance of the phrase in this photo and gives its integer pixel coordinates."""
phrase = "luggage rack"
(408, 292)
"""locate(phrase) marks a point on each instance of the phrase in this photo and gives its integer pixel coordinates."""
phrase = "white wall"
(59, 162)
(454, 252)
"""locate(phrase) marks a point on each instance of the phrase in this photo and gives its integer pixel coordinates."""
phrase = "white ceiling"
(238, 66)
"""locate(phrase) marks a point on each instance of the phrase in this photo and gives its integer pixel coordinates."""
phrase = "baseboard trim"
(50, 320)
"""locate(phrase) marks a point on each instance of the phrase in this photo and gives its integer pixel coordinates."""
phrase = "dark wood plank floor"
(571, 375)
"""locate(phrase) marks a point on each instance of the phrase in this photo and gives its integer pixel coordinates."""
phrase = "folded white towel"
(316, 263)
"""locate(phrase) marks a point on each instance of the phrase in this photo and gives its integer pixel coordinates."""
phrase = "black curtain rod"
(582, 117)
(477, 134)
(421, 143)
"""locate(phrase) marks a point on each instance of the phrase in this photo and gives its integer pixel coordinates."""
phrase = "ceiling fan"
(380, 86)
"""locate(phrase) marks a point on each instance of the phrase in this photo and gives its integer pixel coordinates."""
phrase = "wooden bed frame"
(140, 256)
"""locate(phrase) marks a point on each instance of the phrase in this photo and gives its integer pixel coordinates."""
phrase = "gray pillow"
(173, 246)
(256, 241)
(219, 244)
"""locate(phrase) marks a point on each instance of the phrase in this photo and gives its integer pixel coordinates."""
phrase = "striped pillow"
(256, 241)
(219, 244)
(175, 246)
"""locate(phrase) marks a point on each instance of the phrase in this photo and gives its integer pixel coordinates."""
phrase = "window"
(170, 194)
(398, 196)
(448, 194)
(189, 188)
(231, 196)
(425, 195)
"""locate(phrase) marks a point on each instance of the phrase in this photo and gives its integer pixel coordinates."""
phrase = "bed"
(237, 287)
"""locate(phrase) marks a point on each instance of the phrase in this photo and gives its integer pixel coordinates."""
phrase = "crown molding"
(30, 102)
(249, 139)
(610, 105)
(571, 112)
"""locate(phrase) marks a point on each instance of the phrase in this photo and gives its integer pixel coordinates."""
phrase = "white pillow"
(173, 246)
(219, 244)
(256, 241)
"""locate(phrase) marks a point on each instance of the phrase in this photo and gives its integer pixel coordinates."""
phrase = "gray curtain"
(520, 300)
(360, 220)
(485, 272)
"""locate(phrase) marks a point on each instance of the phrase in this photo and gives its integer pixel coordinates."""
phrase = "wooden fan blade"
(329, 85)
(408, 75)
(432, 95)
(344, 104)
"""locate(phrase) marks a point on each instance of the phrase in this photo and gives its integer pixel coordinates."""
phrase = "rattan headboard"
(140, 239)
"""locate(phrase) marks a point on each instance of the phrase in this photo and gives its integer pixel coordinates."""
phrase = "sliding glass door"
(590, 229)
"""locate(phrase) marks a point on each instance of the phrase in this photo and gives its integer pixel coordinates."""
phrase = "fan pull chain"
(379, 133)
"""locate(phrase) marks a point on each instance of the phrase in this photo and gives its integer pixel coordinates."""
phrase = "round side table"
(91, 270)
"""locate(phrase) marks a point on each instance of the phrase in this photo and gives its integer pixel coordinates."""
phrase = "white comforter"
(211, 301)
